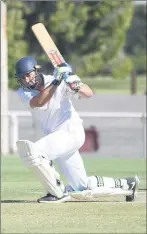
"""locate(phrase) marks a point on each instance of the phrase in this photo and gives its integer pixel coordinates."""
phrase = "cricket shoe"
(133, 183)
(53, 199)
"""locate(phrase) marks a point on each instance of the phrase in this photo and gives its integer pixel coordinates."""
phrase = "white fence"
(103, 120)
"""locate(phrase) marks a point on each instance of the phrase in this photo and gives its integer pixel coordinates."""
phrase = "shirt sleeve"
(26, 96)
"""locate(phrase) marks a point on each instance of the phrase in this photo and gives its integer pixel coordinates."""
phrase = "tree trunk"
(133, 83)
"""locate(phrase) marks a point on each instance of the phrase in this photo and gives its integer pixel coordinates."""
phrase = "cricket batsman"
(48, 99)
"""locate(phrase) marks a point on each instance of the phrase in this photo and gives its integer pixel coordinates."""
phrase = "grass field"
(21, 214)
(109, 85)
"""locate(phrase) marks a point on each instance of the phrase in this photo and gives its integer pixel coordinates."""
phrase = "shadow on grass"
(72, 201)
(18, 201)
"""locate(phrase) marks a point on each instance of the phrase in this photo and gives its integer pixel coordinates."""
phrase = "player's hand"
(73, 81)
(61, 71)
(65, 68)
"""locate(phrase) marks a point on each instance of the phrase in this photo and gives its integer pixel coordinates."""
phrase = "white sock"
(100, 181)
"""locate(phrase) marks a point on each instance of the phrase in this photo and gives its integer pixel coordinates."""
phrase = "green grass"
(19, 183)
(109, 85)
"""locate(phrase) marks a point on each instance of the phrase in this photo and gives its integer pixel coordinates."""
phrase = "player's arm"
(47, 93)
(44, 96)
(77, 87)
(85, 91)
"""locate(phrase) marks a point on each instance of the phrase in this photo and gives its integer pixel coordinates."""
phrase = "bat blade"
(47, 44)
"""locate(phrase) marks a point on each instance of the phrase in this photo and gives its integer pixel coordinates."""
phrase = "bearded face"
(31, 80)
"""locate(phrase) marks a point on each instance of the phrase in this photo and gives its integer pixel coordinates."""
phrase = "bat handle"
(65, 76)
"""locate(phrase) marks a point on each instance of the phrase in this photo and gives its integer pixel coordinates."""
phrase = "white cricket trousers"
(62, 146)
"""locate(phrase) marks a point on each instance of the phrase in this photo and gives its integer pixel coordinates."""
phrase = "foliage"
(17, 46)
(136, 39)
(136, 36)
(93, 32)
(140, 63)
(122, 68)
(89, 34)
(115, 20)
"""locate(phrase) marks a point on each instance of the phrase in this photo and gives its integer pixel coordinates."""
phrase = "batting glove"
(60, 72)
(73, 81)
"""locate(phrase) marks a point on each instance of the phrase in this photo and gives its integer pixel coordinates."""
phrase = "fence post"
(14, 132)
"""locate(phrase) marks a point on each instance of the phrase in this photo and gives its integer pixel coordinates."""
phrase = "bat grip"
(65, 76)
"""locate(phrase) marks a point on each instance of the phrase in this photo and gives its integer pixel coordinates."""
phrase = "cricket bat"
(47, 44)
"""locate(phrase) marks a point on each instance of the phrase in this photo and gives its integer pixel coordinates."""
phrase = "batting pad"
(40, 164)
(99, 192)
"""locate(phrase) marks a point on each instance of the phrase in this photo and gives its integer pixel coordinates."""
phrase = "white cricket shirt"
(56, 112)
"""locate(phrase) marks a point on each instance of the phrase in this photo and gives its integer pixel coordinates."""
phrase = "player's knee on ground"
(47, 174)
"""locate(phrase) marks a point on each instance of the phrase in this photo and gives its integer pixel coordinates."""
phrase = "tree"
(113, 19)
(89, 34)
(17, 46)
(135, 45)
(93, 33)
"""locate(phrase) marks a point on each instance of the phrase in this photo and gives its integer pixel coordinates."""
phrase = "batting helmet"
(25, 65)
